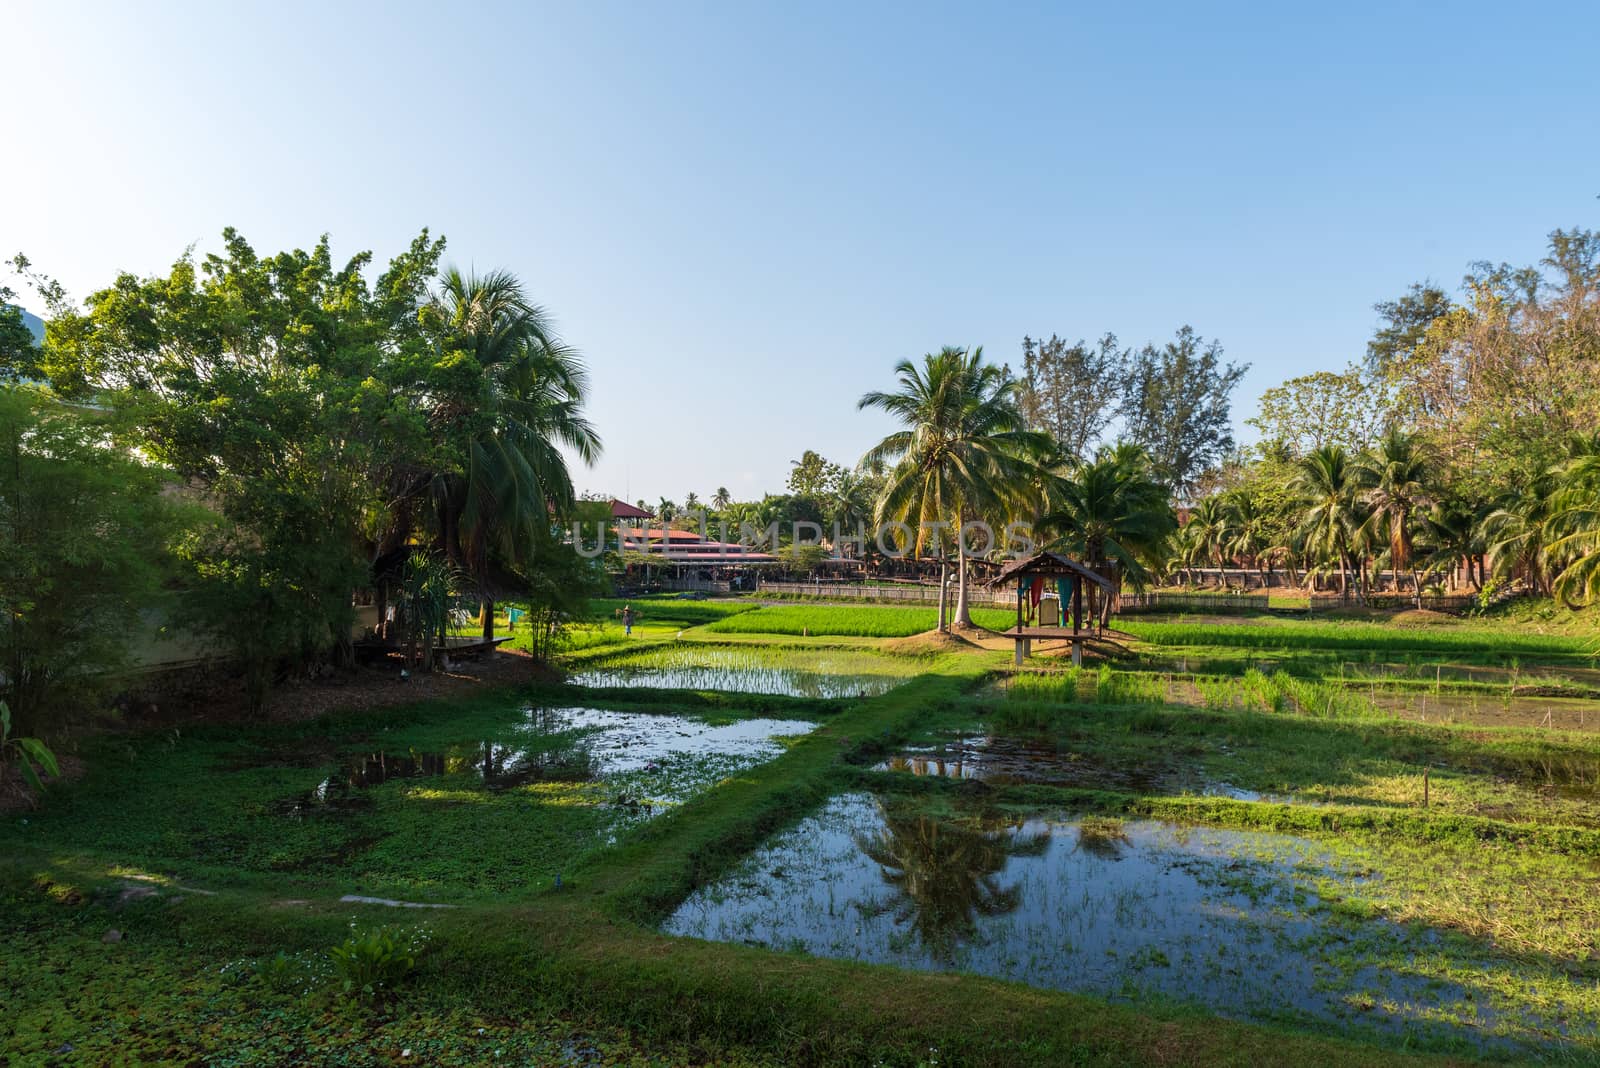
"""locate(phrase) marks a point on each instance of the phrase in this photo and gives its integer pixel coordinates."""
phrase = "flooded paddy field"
(805, 673)
(501, 799)
(1252, 738)
(1250, 925)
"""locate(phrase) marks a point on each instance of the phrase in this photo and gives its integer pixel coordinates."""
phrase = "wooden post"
(1077, 607)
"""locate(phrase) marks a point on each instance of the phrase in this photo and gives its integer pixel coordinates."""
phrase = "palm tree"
(1452, 538)
(691, 502)
(1517, 532)
(849, 501)
(665, 510)
(1395, 480)
(1207, 531)
(1326, 480)
(1576, 524)
(721, 499)
(527, 406)
(1111, 510)
(964, 451)
(1248, 529)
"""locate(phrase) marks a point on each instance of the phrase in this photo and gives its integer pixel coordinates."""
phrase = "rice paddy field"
(800, 834)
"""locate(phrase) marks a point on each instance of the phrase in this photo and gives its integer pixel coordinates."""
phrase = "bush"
(368, 965)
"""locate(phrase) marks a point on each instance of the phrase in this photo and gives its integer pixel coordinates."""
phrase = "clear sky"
(744, 213)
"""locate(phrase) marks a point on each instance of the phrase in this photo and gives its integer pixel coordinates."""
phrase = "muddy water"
(1223, 918)
(1486, 710)
(819, 674)
(674, 754)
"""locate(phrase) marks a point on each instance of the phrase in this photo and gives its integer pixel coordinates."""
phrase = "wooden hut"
(1033, 576)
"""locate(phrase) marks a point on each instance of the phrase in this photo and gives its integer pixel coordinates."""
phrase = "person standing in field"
(627, 621)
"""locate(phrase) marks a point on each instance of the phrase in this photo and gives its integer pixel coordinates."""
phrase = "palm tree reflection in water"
(947, 875)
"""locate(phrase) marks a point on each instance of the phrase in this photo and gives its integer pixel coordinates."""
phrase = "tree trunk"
(486, 617)
(963, 618)
(942, 621)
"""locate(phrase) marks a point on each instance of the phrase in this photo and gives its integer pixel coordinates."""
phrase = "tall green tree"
(964, 452)
(1396, 483)
(525, 405)
(1176, 407)
(1402, 325)
(1071, 391)
(1111, 510)
(1329, 485)
(83, 537)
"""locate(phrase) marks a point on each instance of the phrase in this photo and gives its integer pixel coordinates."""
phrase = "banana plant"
(31, 755)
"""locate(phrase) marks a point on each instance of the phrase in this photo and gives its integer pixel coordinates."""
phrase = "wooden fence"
(1222, 603)
(904, 594)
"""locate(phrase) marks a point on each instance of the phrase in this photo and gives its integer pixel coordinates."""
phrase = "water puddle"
(1492, 710)
(1128, 911)
(1003, 760)
(673, 756)
(820, 674)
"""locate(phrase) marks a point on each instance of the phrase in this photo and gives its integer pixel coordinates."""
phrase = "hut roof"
(624, 510)
(1044, 564)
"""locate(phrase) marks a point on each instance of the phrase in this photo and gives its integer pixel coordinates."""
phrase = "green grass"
(867, 621)
(1329, 637)
(1504, 855)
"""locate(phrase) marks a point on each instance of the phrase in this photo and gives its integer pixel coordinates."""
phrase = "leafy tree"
(282, 390)
(963, 452)
(1071, 392)
(1403, 323)
(1320, 409)
(83, 535)
(1176, 406)
(812, 475)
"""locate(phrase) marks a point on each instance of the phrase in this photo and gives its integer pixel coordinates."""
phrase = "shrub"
(367, 965)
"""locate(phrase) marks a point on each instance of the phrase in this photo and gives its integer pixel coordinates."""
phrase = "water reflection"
(818, 675)
(1226, 919)
(946, 875)
(674, 756)
(1006, 761)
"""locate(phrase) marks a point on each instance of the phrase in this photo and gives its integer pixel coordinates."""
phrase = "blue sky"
(743, 214)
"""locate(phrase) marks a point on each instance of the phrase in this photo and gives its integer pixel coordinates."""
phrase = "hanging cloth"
(1035, 591)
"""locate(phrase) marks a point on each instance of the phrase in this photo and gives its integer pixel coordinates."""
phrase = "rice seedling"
(861, 621)
(1362, 637)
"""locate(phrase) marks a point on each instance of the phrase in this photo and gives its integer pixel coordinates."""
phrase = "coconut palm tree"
(1247, 530)
(665, 510)
(1207, 532)
(1517, 532)
(721, 499)
(1326, 481)
(1396, 480)
(526, 406)
(963, 452)
(1111, 510)
(1576, 525)
(691, 502)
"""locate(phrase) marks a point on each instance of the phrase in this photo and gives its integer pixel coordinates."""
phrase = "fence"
(1216, 603)
(907, 594)
(1433, 602)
